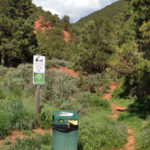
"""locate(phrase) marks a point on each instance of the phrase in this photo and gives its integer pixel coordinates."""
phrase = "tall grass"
(98, 132)
(143, 138)
(38, 142)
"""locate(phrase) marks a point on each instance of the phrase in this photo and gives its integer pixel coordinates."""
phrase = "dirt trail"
(19, 134)
(116, 109)
(131, 140)
(112, 87)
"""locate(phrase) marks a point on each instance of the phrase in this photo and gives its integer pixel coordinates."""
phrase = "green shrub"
(58, 63)
(130, 119)
(97, 132)
(90, 83)
(45, 117)
(58, 87)
(18, 80)
(3, 70)
(20, 117)
(143, 139)
(118, 92)
(33, 143)
(95, 101)
(4, 124)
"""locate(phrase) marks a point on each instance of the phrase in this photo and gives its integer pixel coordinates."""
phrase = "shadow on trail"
(141, 107)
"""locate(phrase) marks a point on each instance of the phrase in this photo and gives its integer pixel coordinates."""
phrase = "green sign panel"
(38, 78)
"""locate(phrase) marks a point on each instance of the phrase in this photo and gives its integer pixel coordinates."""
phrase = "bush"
(58, 63)
(143, 139)
(4, 124)
(35, 143)
(58, 87)
(118, 92)
(3, 70)
(18, 80)
(95, 101)
(90, 83)
(45, 117)
(98, 132)
(130, 119)
(20, 117)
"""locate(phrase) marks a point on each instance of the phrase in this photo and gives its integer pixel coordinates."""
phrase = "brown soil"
(131, 140)
(66, 71)
(112, 87)
(66, 36)
(39, 26)
(115, 112)
(42, 27)
(16, 134)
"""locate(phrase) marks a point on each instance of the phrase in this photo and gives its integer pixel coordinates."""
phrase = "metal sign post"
(38, 79)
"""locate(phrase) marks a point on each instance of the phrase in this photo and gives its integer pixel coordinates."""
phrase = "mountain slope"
(110, 12)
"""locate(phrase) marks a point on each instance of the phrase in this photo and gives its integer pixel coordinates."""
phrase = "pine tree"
(17, 41)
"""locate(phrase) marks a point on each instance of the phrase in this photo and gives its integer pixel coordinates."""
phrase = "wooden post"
(37, 102)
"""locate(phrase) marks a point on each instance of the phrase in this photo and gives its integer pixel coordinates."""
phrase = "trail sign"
(38, 69)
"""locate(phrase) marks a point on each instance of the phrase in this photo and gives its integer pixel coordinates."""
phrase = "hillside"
(110, 12)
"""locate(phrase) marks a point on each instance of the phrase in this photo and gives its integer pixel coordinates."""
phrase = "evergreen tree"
(94, 49)
(17, 41)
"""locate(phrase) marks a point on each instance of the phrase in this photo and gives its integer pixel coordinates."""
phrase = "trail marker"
(38, 69)
(38, 79)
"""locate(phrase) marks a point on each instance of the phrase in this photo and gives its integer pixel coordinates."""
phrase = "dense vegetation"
(112, 44)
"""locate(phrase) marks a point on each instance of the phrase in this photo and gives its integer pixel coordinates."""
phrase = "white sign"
(38, 64)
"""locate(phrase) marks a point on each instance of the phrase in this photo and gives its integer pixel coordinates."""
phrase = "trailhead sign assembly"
(38, 69)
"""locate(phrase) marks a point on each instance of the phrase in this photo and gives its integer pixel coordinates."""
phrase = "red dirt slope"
(47, 25)
(38, 25)
(66, 35)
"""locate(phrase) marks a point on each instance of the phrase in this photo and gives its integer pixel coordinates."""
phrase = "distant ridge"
(109, 12)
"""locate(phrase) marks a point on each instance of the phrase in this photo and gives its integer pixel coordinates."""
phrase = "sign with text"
(38, 69)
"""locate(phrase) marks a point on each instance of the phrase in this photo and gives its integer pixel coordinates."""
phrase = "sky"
(75, 9)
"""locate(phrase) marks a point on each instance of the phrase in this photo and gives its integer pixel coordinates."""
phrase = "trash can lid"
(65, 115)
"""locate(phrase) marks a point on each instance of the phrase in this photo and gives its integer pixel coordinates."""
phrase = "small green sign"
(38, 78)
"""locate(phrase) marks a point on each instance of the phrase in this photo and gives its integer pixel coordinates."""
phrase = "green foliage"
(18, 42)
(35, 143)
(143, 139)
(52, 44)
(93, 100)
(20, 117)
(3, 70)
(145, 39)
(122, 101)
(106, 134)
(130, 119)
(136, 83)
(58, 63)
(4, 124)
(17, 81)
(91, 82)
(110, 12)
(65, 22)
(45, 120)
(7, 142)
(94, 50)
(58, 86)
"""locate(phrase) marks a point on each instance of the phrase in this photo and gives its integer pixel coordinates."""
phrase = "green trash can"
(65, 130)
